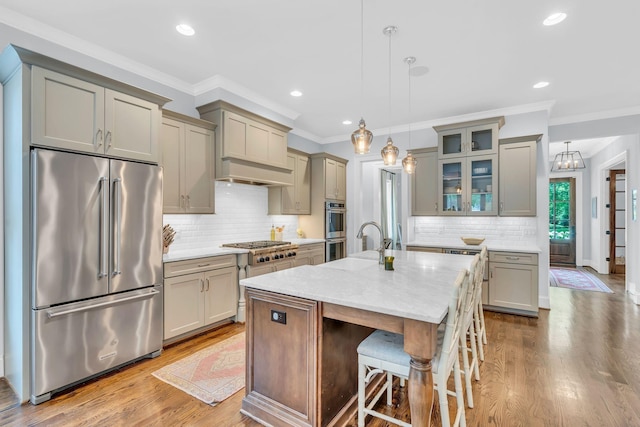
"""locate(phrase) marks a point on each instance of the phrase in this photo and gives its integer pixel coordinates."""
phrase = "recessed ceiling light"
(346, 122)
(554, 18)
(296, 93)
(540, 85)
(185, 29)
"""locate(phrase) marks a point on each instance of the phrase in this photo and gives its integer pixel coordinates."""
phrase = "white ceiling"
(481, 55)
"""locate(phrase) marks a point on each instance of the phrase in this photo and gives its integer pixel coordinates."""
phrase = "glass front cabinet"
(468, 185)
(477, 138)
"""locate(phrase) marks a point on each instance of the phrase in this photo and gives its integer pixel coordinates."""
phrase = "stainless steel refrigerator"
(96, 267)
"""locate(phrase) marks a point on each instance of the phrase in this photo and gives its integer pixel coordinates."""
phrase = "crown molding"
(428, 124)
(220, 82)
(601, 115)
(307, 135)
(66, 40)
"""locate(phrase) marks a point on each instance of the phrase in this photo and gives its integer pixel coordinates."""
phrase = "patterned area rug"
(211, 374)
(573, 278)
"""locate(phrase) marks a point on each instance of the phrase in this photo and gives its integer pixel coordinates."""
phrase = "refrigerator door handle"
(52, 313)
(103, 245)
(117, 193)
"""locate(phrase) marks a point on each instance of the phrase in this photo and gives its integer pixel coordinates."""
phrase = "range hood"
(248, 148)
(237, 170)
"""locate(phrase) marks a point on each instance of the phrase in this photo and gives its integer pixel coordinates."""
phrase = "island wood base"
(305, 372)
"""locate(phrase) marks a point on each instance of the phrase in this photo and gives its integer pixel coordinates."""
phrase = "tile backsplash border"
(241, 216)
(514, 231)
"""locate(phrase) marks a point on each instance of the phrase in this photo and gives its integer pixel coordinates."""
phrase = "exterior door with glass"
(562, 221)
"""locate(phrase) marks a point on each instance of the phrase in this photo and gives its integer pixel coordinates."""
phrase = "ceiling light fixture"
(540, 85)
(567, 160)
(389, 152)
(295, 93)
(346, 122)
(361, 138)
(185, 29)
(409, 163)
(554, 18)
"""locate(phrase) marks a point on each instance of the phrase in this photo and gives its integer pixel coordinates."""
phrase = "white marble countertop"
(182, 255)
(419, 287)
(457, 243)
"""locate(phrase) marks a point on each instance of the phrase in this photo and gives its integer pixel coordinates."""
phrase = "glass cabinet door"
(451, 143)
(452, 186)
(482, 175)
(482, 140)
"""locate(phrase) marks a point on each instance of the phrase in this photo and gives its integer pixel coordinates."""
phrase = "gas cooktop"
(259, 244)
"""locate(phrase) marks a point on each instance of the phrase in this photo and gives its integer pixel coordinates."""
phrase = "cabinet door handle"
(469, 206)
(204, 265)
(99, 138)
(207, 284)
(436, 206)
(188, 201)
(501, 206)
(201, 285)
(108, 139)
(513, 258)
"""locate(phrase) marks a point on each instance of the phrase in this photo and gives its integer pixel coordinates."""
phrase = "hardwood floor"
(576, 365)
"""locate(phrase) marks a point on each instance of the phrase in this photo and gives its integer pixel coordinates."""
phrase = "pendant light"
(389, 152)
(361, 138)
(409, 163)
(568, 160)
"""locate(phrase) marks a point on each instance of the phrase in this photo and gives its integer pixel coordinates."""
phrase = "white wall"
(1, 235)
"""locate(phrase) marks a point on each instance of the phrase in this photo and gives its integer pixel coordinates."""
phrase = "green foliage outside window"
(559, 210)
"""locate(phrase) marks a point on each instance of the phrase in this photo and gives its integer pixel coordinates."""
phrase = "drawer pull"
(513, 258)
(204, 265)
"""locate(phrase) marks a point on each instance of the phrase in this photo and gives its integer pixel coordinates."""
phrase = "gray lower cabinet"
(312, 254)
(513, 282)
(199, 293)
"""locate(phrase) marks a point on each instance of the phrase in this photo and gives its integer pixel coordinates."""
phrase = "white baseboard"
(634, 293)
(543, 302)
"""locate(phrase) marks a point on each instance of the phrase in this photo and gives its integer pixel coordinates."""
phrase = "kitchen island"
(304, 325)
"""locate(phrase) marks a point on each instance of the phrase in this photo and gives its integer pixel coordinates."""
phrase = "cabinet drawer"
(196, 265)
(305, 249)
(513, 257)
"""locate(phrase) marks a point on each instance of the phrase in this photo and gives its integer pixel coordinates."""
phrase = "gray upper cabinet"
(77, 115)
(518, 175)
(475, 138)
(424, 183)
(293, 199)
(335, 180)
(186, 157)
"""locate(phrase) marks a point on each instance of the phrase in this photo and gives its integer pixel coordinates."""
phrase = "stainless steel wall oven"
(335, 220)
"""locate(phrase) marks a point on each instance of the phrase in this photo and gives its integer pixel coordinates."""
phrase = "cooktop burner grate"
(259, 244)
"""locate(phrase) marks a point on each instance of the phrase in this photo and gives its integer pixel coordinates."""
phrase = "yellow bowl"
(472, 240)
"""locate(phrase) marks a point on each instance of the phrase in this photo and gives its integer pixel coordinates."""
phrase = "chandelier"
(567, 160)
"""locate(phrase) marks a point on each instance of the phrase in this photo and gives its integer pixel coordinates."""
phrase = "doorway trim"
(601, 264)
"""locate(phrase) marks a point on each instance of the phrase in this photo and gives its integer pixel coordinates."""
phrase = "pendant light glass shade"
(389, 153)
(409, 163)
(568, 160)
(361, 138)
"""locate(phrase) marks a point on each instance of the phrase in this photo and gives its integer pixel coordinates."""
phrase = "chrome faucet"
(382, 239)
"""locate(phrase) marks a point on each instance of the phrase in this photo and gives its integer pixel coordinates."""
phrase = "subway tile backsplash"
(241, 215)
(511, 230)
